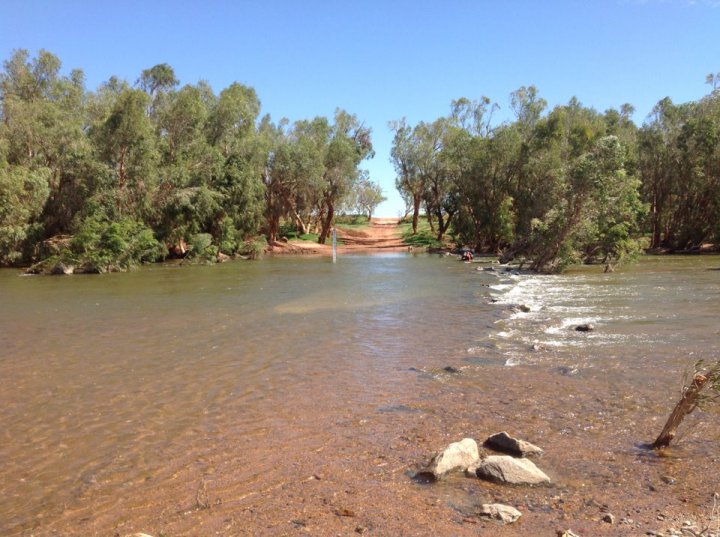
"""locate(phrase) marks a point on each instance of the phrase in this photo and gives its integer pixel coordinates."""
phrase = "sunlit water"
(112, 381)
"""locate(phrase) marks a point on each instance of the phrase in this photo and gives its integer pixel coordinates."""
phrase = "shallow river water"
(291, 396)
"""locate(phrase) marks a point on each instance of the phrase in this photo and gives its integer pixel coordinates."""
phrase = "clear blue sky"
(383, 60)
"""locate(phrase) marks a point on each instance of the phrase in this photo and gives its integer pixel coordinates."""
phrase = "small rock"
(585, 327)
(457, 456)
(523, 308)
(221, 257)
(507, 444)
(451, 369)
(609, 518)
(567, 533)
(536, 347)
(504, 514)
(668, 479)
(360, 529)
(506, 469)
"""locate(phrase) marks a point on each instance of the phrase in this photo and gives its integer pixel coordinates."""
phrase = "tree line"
(566, 185)
(137, 172)
(129, 173)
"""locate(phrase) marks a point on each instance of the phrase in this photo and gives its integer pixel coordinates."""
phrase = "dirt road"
(383, 234)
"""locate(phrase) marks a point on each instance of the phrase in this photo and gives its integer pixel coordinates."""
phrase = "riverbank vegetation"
(567, 185)
(138, 172)
(106, 179)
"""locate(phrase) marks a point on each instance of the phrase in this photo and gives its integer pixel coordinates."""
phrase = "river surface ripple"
(162, 395)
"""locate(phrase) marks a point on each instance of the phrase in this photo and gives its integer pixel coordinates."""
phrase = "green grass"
(424, 237)
(310, 237)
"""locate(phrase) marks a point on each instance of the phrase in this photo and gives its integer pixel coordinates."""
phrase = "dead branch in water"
(694, 394)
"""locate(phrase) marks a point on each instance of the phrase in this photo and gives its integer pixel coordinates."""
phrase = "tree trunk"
(326, 225)
(416, 213)
(300, 226)
(273, 227)
(688, 402)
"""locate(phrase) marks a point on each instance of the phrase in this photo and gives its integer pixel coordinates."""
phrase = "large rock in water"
(457, 456)
(502, 513)
(506, 469)
(513, 446)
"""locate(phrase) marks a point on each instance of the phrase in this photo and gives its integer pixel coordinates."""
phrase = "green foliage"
(553, 189)
(202, 247)
(23, 193)
(553, 186)
(188, 164)
(253, 248)
(105, 246)
(368, 195)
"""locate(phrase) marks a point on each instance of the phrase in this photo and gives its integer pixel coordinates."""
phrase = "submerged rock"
(585, 327)
(504, 514)
(512, 471)
(457, 456)
(514, 446)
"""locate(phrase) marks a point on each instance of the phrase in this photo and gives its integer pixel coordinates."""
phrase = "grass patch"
(424, 238)
(311, 237)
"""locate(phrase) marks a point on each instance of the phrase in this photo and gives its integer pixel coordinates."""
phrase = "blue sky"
(383, 60)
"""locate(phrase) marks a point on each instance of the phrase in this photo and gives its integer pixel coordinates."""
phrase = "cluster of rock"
(514, 468)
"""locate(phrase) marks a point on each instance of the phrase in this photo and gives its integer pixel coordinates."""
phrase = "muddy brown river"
(291, 396)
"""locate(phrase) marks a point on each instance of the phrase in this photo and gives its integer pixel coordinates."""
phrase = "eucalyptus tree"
(427, 169)
(486, 213)
(126, 143)
(160, 77)
(594, 216)
(680, 165)
(347, 145)
(293, 175)
(408, 180)
(23, 193)
(43, 126)
(232, 117)
(369, 195)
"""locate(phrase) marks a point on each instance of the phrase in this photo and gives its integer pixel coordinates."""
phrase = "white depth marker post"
(334, 245)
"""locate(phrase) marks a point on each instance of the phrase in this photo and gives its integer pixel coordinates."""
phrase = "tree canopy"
(566, 185)
(131, 173)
